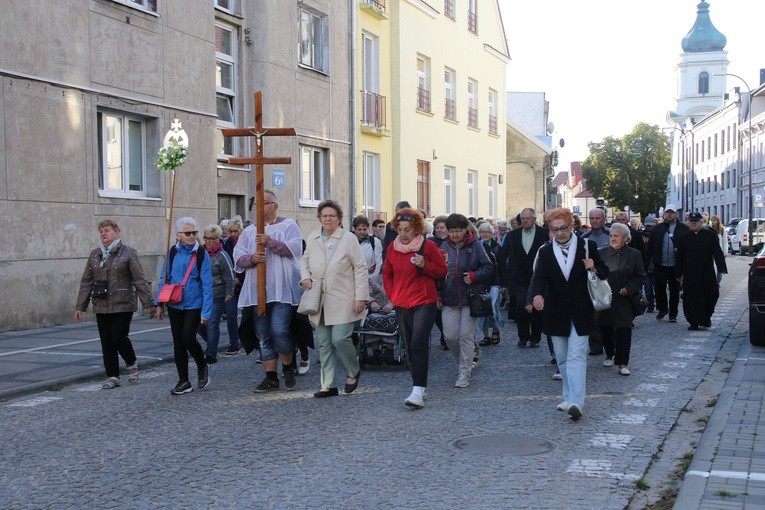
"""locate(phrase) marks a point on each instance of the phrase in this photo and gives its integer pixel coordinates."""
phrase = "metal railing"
(473, 22)
(380, 4)
(473, 117)
(449, 9)
(423, 99)
(493, 124)
(373, 113)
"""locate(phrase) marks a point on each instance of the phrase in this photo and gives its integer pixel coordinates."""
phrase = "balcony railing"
(373, 113)
(493, 124)
(379, 4)
(449, 9)
(473, 22)
(473, 117)
(423, 99)
(450, 110)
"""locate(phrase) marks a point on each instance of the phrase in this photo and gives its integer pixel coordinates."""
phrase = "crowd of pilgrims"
(407, 276)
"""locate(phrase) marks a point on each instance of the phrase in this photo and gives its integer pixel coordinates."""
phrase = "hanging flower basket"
(171, 157)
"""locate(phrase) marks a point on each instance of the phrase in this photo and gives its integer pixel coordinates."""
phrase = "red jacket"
(406, 285)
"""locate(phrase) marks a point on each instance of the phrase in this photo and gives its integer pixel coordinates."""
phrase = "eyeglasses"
(210, 238)
(193, 233)
(456, 230)
(267, 203)
(404, 217)
(556, 230)
(328, 216)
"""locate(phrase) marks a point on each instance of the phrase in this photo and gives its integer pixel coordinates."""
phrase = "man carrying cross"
(283, 245)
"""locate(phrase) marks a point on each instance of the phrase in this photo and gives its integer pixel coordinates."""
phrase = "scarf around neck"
(106, 252)
(566, 262)
(413, 246)
(214, 250)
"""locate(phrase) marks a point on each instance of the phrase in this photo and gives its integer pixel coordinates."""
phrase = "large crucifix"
(259, 160)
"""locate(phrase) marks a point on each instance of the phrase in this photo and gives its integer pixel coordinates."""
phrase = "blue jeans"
(210, 332)
(571, 353)
(496, 319)
(648, 289)
(232, 322)
(273, 331)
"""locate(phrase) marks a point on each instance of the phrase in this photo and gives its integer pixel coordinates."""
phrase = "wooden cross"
(259, 160)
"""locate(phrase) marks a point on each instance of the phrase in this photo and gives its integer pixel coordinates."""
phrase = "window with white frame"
(371, 184)
(225, 86)
(423, 186)
(314, 175)
(373, 104)
(423, 83)
(493, 128)
(313, 46)
(492, 195)
(472, 93)
(450, 189)
(144, 5)
(450, 93)
(225, 5)
(122, 151)
(472, 186)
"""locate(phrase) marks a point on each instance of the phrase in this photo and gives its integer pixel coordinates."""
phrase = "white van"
(741, 237)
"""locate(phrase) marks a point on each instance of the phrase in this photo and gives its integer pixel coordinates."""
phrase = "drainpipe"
(352, 125)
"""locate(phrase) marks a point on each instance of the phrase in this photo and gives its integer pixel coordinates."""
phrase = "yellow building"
(441, 80)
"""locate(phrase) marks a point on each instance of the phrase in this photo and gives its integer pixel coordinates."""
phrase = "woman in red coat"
(412, 266)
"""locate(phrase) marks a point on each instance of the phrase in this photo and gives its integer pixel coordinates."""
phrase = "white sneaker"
(415, 401)
(609, 362)
(463, 381)
(624, 371)
(563, 406)
(304, 367)
(557, 376)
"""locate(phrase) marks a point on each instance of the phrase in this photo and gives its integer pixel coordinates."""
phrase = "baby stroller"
(378, 341)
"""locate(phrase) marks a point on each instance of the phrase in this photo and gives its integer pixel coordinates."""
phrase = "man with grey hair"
(637, 240)
(600, 234)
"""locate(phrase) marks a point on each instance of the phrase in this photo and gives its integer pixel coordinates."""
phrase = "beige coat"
(344, 279)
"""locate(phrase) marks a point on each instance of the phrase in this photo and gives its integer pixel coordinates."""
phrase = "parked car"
(730, 229)
(741, 237)
(757, 299)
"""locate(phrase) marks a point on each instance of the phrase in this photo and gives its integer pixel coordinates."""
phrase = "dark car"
(757, 299)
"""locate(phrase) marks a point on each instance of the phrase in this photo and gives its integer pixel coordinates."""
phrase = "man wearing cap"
(696, 253)
(662, 247)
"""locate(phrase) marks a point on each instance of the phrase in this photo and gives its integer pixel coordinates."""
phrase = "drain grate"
(504, 444)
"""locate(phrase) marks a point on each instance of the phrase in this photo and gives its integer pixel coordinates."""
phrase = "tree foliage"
(638, 164)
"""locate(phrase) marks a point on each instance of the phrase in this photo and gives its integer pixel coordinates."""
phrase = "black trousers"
(529, 324)
(617, 342)
(113, 329)
(415, 325)
(664, 277)
(184, 324)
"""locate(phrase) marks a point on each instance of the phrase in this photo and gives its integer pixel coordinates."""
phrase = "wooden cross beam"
(259, 160)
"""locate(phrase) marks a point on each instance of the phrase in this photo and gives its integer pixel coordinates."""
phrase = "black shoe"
(596, 353)
(181, 388)
(204, 377)
(693, 327)
(446, 347)
(289, 378)
(661, 315)
(553, 361)
(649, 310)
(485, 342)
(268, 384)
(332, 392)
(350, 388)
(535, 343)
(673, 318)
(521, 343)
(211, 360)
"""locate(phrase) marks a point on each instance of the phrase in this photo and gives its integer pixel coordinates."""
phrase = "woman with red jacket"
(412, 266)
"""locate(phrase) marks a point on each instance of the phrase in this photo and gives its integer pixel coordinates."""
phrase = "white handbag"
(310, 301)
(600, 290)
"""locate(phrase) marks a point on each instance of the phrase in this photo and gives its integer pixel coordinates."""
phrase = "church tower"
(703, 57)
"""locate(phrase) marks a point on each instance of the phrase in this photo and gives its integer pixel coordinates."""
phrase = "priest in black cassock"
(696, 252)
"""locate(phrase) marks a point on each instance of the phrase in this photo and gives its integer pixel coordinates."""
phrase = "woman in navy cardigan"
(559, 290)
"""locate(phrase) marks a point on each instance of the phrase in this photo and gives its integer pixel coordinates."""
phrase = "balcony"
(423, 99)
(449, 9)
(493, 124)
(375, 7)
(450, 109)
(373, 120)
(473, 118)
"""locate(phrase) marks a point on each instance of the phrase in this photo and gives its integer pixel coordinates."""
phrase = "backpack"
(200, 258)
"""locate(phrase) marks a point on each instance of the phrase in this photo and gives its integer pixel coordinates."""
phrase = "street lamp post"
(751, 203)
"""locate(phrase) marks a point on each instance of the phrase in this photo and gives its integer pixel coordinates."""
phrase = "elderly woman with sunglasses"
(196, 306)
(223, 289)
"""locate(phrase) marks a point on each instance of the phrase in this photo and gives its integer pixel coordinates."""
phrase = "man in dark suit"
(520, 249)
(662, 248)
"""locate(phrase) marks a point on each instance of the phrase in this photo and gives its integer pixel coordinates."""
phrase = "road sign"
(576, 209)
(277, 178)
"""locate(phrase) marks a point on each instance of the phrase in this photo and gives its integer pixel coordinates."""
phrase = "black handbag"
(100, 289)
(480, 304)
(639, 303)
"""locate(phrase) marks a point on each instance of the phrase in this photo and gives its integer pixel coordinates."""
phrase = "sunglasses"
(404, 217)
(190, 234)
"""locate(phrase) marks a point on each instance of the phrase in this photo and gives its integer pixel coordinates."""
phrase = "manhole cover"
(507, 444)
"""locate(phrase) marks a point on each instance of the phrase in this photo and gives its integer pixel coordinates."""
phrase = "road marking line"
(636, 402)
(674, 364)
(618, 441)
(653, 387)
(32, 402)
(664, 375)
(77, 342)
(629, 419)
(594, 468)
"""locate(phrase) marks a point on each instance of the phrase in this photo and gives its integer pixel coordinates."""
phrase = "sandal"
(110, 383)
(486, 341)
(132, 371)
